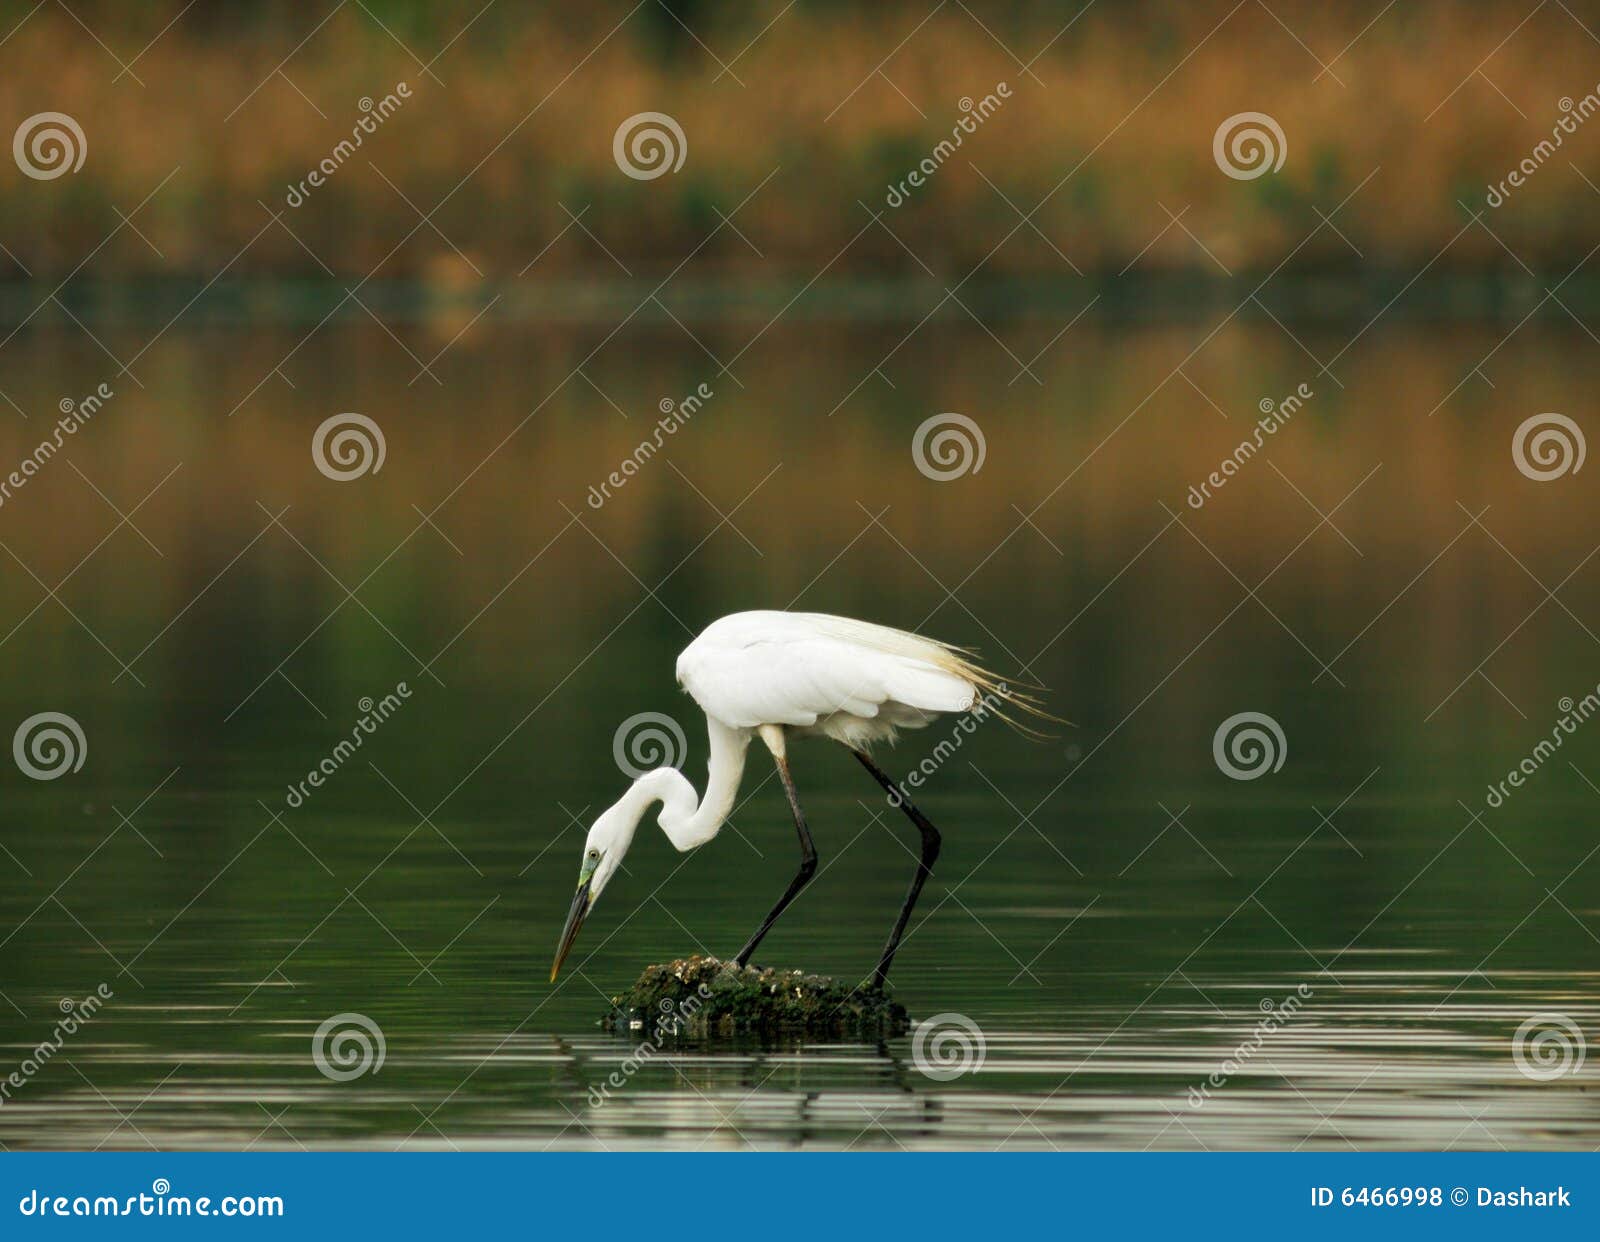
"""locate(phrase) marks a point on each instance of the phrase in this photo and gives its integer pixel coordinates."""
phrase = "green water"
(1111, 912)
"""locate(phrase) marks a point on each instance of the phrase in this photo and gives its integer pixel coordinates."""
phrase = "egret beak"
(575, 917)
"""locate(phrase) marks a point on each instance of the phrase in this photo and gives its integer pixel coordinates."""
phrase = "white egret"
(778, 675)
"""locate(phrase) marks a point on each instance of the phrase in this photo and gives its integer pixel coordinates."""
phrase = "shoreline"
(1119, 300)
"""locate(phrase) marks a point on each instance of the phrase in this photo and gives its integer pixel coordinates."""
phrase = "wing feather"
(793, 668)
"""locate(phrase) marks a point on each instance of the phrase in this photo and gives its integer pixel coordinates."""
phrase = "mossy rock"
(702, 997)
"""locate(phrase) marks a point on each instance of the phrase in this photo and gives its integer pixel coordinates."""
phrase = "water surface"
(1113, 914)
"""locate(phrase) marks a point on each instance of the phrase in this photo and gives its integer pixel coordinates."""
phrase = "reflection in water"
(1359, 1072)
(1112, 909)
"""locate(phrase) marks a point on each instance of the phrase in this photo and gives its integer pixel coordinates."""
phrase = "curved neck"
(688, 820)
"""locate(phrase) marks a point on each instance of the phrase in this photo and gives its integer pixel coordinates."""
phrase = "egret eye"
(594, 855)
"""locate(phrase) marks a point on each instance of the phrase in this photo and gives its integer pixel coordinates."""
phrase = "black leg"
(808, 865)
(930, 854)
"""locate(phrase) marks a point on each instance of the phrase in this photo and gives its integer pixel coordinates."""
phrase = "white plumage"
(852, 681)
(775, 674)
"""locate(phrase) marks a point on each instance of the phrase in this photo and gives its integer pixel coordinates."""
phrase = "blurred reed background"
(805, 94)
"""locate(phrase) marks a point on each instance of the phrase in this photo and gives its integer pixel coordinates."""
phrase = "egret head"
(608, 841)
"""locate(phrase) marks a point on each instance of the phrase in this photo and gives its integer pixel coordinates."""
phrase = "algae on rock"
(703, 996)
